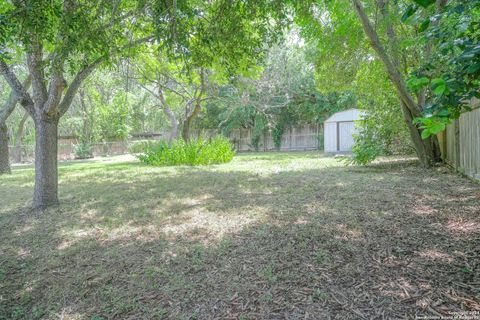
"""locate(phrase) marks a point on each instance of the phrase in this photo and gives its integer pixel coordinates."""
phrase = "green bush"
(366, 149)
(196, 152)
(83, 150)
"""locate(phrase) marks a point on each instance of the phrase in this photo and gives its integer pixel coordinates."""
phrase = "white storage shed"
(339, 130)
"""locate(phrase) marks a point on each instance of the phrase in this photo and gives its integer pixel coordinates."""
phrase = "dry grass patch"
(268, 236)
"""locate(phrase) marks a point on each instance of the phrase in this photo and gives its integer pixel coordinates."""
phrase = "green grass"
(269, 235)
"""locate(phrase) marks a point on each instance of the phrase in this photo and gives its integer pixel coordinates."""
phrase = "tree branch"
(393, 73)
(75, 85)
(85, 72)
(55, 90)
(18, 89)
(12, 101)
(34, 62)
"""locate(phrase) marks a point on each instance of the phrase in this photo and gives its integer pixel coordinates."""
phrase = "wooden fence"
(66, 149)
(461, 144)
(294, 139)
(308, 137)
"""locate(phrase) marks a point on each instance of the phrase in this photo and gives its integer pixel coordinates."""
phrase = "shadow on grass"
(302, 243)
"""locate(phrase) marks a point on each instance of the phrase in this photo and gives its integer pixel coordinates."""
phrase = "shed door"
(345, 135)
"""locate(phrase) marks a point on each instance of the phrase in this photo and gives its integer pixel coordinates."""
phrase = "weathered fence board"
(461, 147)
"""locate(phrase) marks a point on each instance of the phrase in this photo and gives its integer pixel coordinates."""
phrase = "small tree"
(65, 40)
(62, 40)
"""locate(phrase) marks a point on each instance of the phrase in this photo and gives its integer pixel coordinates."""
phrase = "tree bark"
(46, 172)
(173, 122)
(4, 155)
(196, 110)
(17, 156)
(187, 123)
(170, 115)
(414, 135)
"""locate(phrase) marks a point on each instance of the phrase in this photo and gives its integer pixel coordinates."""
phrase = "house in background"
(339, 130)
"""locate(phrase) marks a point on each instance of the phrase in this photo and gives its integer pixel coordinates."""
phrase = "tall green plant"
(195, 152)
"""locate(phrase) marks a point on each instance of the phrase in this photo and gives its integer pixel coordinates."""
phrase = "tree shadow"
(204, 243)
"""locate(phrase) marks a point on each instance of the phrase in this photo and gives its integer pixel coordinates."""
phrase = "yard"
(267, 236)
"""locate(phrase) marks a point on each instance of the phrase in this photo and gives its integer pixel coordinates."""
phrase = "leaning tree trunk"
(17, 156)
(415, 135)
(427, 150)
(46, 172)
(4, 155)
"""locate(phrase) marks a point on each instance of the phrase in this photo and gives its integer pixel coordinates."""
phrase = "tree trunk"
(17, 157)
(196, 110)
(173, 122)
(46, 172)
(186, 129)
(4, 156)
(188, 121)
(428, 150)
(415, 135)
(170, 115)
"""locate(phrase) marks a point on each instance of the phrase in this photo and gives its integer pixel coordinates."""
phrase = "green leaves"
(439, 86)
(474, 68)
(416, 84)
(433, 124)
(453, 66)
(424, 3)
(424, 25)
(411, 9)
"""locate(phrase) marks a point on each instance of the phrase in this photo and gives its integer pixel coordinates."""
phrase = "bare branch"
(149, 90)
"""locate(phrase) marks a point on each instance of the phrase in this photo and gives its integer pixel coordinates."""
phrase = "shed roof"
(346, 115)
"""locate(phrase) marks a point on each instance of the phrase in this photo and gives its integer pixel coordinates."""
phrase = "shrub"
(196, 152)
(366, 149)
(83, 150)
(374, 140)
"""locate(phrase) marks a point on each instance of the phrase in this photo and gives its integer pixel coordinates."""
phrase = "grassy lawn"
(267, 236)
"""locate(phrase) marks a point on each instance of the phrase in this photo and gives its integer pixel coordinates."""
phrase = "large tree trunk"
(46, 172)
(4, 155)
(17, 157)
